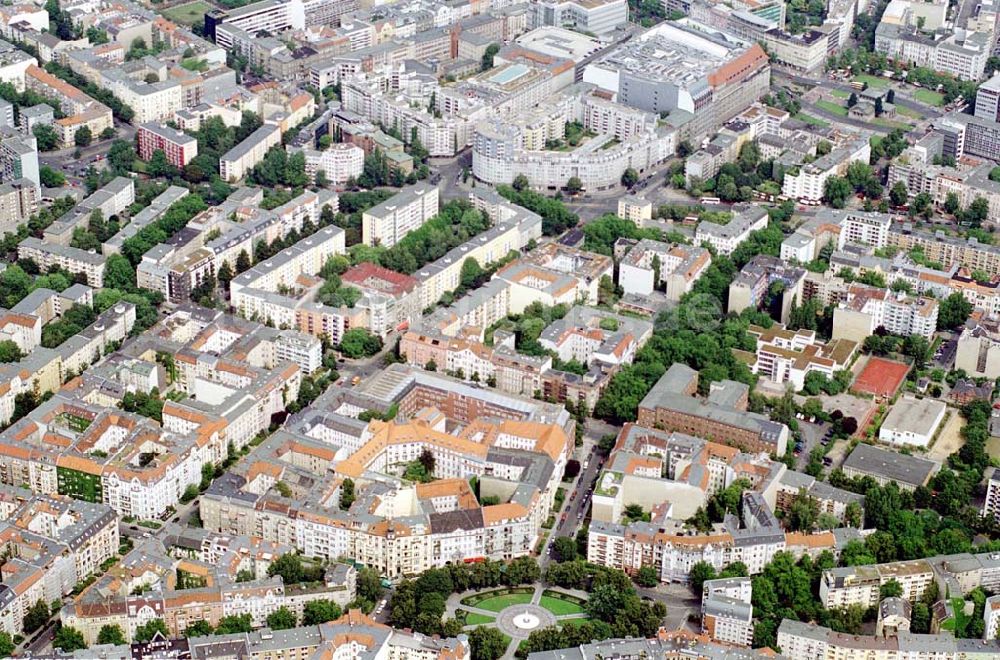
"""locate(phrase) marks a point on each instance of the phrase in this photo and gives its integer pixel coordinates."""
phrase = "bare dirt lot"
(950, 439)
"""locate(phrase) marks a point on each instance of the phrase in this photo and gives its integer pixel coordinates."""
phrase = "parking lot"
(814, 434)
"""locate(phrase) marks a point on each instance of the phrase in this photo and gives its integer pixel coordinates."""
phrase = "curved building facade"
(499, 155)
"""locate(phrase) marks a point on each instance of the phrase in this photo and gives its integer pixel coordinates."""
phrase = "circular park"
(519, 611)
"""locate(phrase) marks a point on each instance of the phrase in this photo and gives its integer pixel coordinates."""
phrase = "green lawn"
(475, 619)
(928, 97)
(907, 112)
(873, 81)
(189, 13)
(840, 94)
(832, 107)
(809, 119)
(890, 124)
(574, 622)
(559, 607)
(497, 603)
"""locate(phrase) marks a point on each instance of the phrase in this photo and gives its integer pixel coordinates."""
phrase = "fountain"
(526, 621)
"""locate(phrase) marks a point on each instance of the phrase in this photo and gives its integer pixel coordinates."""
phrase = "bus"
(859, 85)
(710, 200)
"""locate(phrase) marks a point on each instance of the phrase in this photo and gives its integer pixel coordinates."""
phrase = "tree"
(836, 190)
(225, 273)
(243, 262)
(9, 351)
(487, 643)
(121, 156)
(852, 100)
(700, 573)
(564, 548)
(630, 177)
(146, 631)
(520, 183)
(281, 619)
(346, 494)
(199, 628)
(647, 577)
(83, 136)
(574, 185)
(320, 611)
(977, 212)
(470, 274)
(6, 645)
(803, 512)
(46, 136)
(898, 193)
(51, 178)
(426, 459)
(108, 133)
(242, 623)
(359, 342)
(952, 203)
(36, 616)
(69, 639)
(111, 634)
(488, 55)
(953, 311)
(289, 567)
(890, 589)
(119, 273)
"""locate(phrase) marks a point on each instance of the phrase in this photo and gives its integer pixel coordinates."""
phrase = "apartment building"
(238, 161)
(988, 99)
(110, 200)
(427, 537)
(52, 543)
(212, 560)
(677, 644)
(752, 538)
(807, 182)
(991, 506)
(726, 611)
(177, 146)
(671, 404)
(787, 356)
(805, 641)
(978, 351)
(651, 265)
(398, 294)
(338, 164)
(18, 202)
(71, 259)
(387, 223)
(752, 286)
(80, 110)
(19, 159)
(257, 292)
(865, 309)
(747, 218)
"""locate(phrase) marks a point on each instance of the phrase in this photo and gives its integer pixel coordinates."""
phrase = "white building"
(726, 238)
(912, 422)
(338, 163)
(235, 163)
(387, 223)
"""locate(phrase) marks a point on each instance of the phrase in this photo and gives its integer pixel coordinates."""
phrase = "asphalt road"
(41, 641)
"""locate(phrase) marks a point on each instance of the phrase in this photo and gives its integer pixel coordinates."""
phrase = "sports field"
(189, 13)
